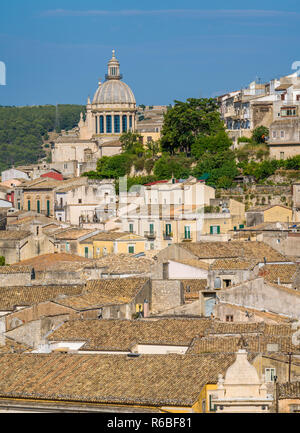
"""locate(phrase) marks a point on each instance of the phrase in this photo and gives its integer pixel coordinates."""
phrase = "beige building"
(111, 112)
(268, 214)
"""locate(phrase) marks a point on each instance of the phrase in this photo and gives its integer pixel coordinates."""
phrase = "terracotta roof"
(125, 264)
(193, 262)
(240, 249)
(72, 234)
(121, 335)
(234, 263)
(15, 269)
(289, 390)
(99, 293)
(192, 287)
(54, 260)
(254, 344)
(284, 273)
(115, 379)
(14, 235)
(111, 236)
(12, 346)
(10, 297)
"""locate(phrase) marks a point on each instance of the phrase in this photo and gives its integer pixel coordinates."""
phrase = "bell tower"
(113, 72)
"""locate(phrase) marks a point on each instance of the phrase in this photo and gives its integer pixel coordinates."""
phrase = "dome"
(114, 92)
(241, 371)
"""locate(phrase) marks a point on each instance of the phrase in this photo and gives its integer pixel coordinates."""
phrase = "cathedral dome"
(114, 92)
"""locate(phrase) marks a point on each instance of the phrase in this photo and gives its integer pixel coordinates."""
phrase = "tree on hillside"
(260, 134)
(186, 120)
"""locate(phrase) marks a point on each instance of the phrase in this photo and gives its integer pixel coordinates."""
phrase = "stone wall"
(33, 333)
(15, 279)
(263, 296)
(166, 294)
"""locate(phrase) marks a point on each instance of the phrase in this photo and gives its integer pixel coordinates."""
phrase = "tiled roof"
(125, 264)
(283, 273)
(122, 334)
(54, 260)
(289, 390)
(116, 379)
(30, 295)
(234, 263)
(99, 293)
(12, 346)
(192, 287)
(110, 236)
(193, 262)
(14, 235)
(72, 234)
(15, 269)
(239, 249)
(254, 344)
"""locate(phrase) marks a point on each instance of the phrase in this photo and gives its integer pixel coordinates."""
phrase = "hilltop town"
(146, 267)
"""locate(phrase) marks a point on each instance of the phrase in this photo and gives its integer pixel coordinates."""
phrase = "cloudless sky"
(55, 51)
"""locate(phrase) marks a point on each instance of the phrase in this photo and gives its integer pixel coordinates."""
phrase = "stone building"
(111, 112)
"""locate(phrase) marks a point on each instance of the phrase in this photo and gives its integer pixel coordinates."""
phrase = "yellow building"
(275, 213)
(105, 243)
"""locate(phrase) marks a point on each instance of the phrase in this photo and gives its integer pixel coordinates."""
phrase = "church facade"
(111, 113)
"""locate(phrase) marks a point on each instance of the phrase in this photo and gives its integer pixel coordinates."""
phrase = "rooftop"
(111, 379)
(14, 235)
(99, 293)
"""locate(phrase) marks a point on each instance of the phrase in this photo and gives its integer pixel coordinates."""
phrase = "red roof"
(53, 175)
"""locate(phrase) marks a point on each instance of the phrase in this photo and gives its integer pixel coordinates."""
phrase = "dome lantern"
(113, 72)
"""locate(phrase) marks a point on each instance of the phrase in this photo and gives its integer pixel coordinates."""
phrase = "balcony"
(186, 237)
(150, 235)
(167, 236)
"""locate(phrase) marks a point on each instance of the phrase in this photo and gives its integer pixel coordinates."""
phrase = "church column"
(104, 121)
(128, 126)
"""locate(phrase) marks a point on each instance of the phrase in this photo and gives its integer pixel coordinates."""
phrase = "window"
(227, 283)
(101, 124)
(124, 123)
(130, 121)
(117, 124)
(283, 96)
(65, 165)
(229, 318)
(212, 407)
(131, 249)
(28, 205)
(288, 112)
(108, 124)
(130, 228)
(281, 155)
(79, 200)
(38, 206)
(151, 246)
(281, 134)
(19, 205)
(270, 373)
(86, 252)
(241, 226)
(187, 232)
(151, 228)
(104, 251)
(37, 230)
(48, 207)
(67, 247)
(168, 229)
(214, 230)
(274, 134)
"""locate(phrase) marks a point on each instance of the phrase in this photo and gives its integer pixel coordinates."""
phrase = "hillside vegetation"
(24, 129)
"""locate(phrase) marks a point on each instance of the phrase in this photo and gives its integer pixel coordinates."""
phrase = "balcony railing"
(167, 236)
(186, 237)
(150, 235)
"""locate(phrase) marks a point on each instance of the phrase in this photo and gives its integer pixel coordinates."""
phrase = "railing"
(167, 236)
(186, 237)
(150, 235)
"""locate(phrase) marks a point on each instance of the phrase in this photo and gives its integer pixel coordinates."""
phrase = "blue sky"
(55, 51)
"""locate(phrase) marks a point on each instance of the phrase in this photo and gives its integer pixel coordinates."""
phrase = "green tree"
(186, 120)
(260, 134)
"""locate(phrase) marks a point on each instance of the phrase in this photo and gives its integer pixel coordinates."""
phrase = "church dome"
(114, 92)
